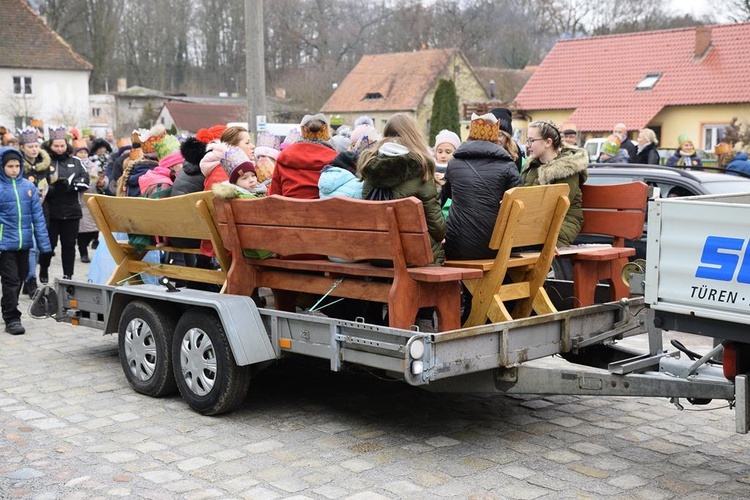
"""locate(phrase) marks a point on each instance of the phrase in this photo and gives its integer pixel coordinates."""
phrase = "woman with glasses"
(551, 161)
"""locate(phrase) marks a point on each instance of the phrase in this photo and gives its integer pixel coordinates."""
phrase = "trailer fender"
(246, 333)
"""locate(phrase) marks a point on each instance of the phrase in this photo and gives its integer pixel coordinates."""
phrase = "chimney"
(702, 41)
(122, 84)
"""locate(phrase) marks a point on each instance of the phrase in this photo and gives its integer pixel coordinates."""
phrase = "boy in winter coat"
(21, 219)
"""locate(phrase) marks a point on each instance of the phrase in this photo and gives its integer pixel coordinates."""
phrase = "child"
(22, 219)
(446, 143)
(244, 177)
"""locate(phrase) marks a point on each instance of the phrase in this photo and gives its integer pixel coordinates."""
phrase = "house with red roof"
(42, 79)
(383, 84)
(689, 80)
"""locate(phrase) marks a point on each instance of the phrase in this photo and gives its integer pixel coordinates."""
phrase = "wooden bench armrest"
(524, 259)
(603, 254)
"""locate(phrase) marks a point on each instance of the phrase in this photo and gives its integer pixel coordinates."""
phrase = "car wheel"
(144, 340)
(207, 376)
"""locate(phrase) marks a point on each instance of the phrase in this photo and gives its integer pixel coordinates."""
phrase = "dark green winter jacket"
(568, 168)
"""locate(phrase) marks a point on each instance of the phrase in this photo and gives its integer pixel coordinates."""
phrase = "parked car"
(670, 181)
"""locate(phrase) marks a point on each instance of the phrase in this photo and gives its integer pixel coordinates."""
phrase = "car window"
(735, 185)
(611, 179)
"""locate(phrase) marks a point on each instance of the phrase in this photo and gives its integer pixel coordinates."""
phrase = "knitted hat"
(611, 145)
(683, 138)
(341, 143)
(193, 150)
(12, 154)
(483, 128)
(320, 133)
(166, 145)
(29, 135)
(60, 132)
(268, 145)
(504, 119)
(240, 169)
(364, 130)
(171, 160)
(723, 148)
(449, 137)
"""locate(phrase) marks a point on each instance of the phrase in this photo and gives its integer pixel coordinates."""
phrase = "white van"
(594, 148)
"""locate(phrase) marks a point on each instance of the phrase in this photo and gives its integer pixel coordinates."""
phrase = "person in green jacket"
(551, 161)
(400, 166)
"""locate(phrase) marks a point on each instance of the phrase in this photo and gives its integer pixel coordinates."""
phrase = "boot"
(30, 287)
(15, 328)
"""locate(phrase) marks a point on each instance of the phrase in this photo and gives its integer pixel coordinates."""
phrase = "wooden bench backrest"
(533, 227)
(616, 210)
(341, 227)
(169, 217)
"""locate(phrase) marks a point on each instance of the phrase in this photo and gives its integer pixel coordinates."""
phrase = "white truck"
(208, 345)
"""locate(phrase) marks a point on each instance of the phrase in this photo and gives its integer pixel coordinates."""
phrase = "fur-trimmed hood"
(569, 162)
(392, 171)
(41, 164)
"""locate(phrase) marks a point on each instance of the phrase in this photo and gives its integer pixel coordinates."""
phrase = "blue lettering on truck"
(722, 256)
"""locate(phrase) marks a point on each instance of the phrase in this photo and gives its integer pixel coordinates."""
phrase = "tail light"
(736, 359)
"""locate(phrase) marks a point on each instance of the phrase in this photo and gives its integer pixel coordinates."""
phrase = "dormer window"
(373, 95)
(648, 82)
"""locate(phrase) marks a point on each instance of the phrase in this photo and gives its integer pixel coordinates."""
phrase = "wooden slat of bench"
(486, 264)
(345, 244)
(605, 254)
(616, 223)
(177, 272)
(365, 215)
(125, 244)
(434, 274)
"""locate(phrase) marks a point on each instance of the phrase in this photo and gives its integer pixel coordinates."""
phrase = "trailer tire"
(144, 343)
(207, 376)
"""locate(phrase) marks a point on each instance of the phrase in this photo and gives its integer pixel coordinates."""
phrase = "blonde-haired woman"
(401, 165)
(240, 137)
(647, 153)
(552, 161)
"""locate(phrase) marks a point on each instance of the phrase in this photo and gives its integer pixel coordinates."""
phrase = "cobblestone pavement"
(72, 428)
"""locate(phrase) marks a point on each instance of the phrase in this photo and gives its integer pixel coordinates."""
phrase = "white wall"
(58, 97)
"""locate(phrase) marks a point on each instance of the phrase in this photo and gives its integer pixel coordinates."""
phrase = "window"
(22, 121)
(22, 85)
(96, 112)
(648, 82)
(373, 95)
(712, 135)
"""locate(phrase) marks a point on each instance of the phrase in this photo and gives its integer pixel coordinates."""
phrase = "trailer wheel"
(145, 339)
(208, 378)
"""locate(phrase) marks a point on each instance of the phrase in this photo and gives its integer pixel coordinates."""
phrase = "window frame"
(711, 135)
(22, 85)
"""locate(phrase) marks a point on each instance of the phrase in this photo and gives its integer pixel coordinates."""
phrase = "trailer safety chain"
(133, 276)
(315, 307)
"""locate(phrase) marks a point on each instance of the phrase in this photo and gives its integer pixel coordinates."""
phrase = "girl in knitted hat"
(446, 142)
(686, 156)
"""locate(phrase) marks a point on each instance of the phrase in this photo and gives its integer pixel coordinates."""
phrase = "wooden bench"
(354, 230)
(616, 211)
(529, 216)
(187, 216)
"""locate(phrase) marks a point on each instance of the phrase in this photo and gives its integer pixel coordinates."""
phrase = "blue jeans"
(33, 259)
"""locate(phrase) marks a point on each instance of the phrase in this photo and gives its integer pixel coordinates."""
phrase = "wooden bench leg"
(585, 278)
(448, 306)
(403, 303)
(619, 288)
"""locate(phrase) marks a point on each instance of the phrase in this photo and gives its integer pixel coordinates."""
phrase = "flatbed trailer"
(207, 345)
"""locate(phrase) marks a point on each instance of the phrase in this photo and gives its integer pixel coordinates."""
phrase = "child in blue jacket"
(21, 219)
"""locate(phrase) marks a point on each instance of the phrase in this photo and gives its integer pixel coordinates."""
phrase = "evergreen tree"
(444, 110)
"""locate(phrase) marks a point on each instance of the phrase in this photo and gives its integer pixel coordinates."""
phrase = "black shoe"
(95, 244)
(15, 328)
(43, 277)
(85, 259)
(30, 287)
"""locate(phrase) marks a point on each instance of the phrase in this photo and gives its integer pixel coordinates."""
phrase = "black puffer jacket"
(476, 195)
(189, 180)
(68, 177)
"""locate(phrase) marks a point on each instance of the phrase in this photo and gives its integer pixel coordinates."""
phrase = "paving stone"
(259, 493)
(328, 491)
(357, 465)
(589, 448)
(627, 481)
(562, 456)
(161, 476)
(442, 441)
(194, 463)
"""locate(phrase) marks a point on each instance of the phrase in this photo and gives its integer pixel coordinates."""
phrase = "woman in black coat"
(476, 179)
(647, 153)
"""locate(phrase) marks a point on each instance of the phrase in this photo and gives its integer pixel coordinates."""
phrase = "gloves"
(61, 183)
